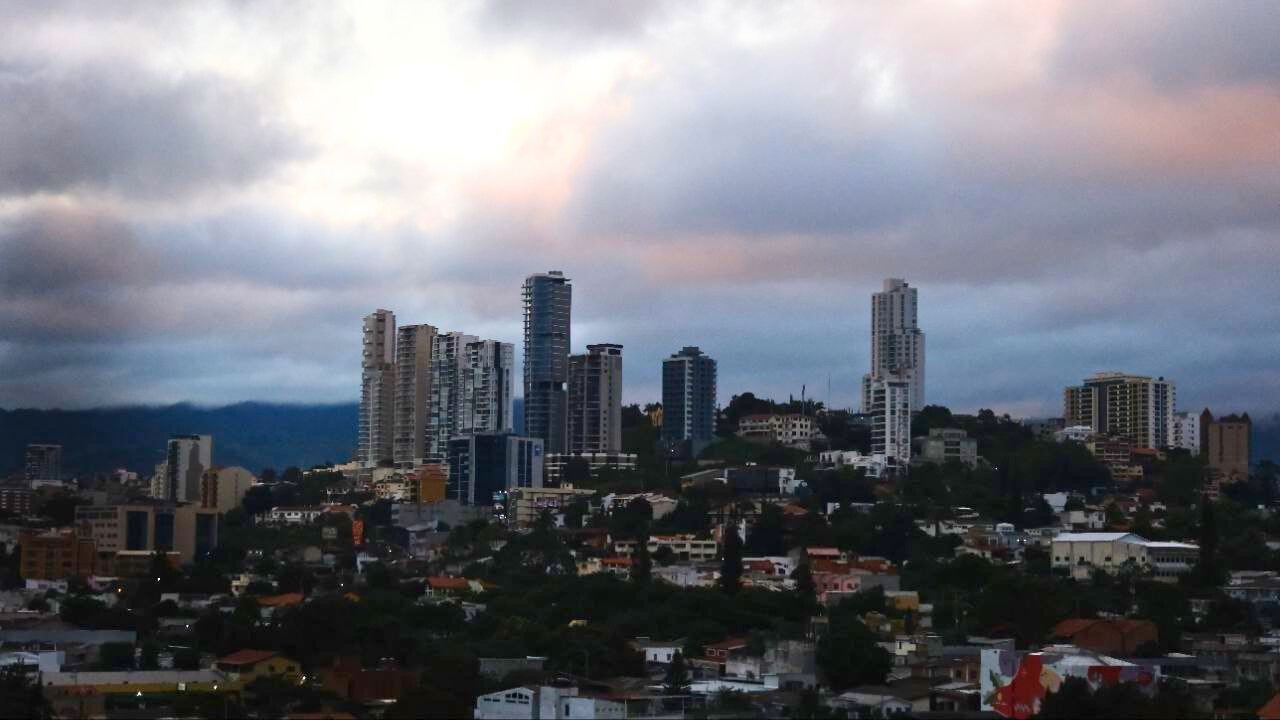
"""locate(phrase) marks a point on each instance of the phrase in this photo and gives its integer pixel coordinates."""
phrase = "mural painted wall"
(1014, 683)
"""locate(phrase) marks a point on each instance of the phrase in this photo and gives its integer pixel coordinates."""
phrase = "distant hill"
(1266, 438)
(253, 435)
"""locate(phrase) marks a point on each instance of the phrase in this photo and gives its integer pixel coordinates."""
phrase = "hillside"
(254, 435)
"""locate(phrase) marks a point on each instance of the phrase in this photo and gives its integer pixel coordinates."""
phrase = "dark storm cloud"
(129, 132)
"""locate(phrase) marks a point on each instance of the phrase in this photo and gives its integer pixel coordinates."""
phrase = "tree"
(642, 564)
(766, 535)
(848, 655)
(187, 659)
(805, 586)
(20, 697)
(150, 659)
(116, 656)
(1207, 572)
(677, 680)
(731, 558)
(576, 473)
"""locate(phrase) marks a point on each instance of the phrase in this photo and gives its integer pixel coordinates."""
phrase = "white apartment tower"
(413, 393)
(897, 345)
(1184, 432)
(376, 431)
(890, 409)
(470, 390)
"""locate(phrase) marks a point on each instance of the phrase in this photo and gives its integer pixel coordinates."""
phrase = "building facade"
(792, 429)
(43, 463)
(897, 344)
(376, 427)
(1184, 432)
(1082, 553)
(1226, 441)
(944, 445)
(187, 530)
(548, 299)
(891, 403)
(223, 489)
(483, 465)
(187, 457)
(1135, 407)
(414, 345)
(595, 400)
(688, 397)
(471, 383)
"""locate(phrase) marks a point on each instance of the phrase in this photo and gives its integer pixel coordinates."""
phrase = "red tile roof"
(1270, 711)
(247, 657)
(448, 583)
(280, 600)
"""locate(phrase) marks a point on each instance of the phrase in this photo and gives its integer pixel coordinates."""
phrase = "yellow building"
(244, 666)
(93, 694)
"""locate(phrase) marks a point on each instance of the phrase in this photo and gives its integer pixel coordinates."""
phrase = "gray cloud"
(1175, 45)
(128, 132)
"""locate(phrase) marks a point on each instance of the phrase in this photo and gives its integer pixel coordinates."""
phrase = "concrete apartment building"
(1130, 406)
(224, 488)
(414, 344)
(43, 464)
(471, 383)
(1184, 432)
(897, 344)
(792, 429)
(1226, 442)
(187, 457)
(595, 400)
(485, 464)
(891, 403)
(187, 530)
(688, 397)
(56, 555)
(548, 300)
(554, 464)
(944, 445)
(376, 426)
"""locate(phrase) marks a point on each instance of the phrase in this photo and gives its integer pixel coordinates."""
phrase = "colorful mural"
(1014, 684)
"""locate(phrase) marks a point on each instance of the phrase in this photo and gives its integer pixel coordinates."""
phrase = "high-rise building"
(548, 298)
(1184, 432)
(688, 397)
(188, 530)
(413, 393)
(470, 390)
(376, 431)
(187, 457)
(1135, 407)
(891, 399)
(897, 345)
(43, 464)
(1226, 442)
(595, 400)
(484, 464)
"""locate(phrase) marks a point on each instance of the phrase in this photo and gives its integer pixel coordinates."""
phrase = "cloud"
(125, 131)
(203, 207)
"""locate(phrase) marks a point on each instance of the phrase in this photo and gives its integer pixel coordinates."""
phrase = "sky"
(199, 201)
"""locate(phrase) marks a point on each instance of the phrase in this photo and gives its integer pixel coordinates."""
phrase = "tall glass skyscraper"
(897, 345)
(547, 301)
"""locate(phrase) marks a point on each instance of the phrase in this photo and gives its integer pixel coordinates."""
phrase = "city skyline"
(1091, 190)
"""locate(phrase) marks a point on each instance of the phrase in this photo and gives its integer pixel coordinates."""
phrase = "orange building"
(56, 555)
(428, 483)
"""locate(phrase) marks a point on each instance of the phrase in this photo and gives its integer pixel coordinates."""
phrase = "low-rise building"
(244, 666)
(554, 463)
(525, 505)
(875, 466)
(85, 694)
(792, 430)
(685, 547)
(945, 445)
(1081, 553)
(294, 514)
(545, 703)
